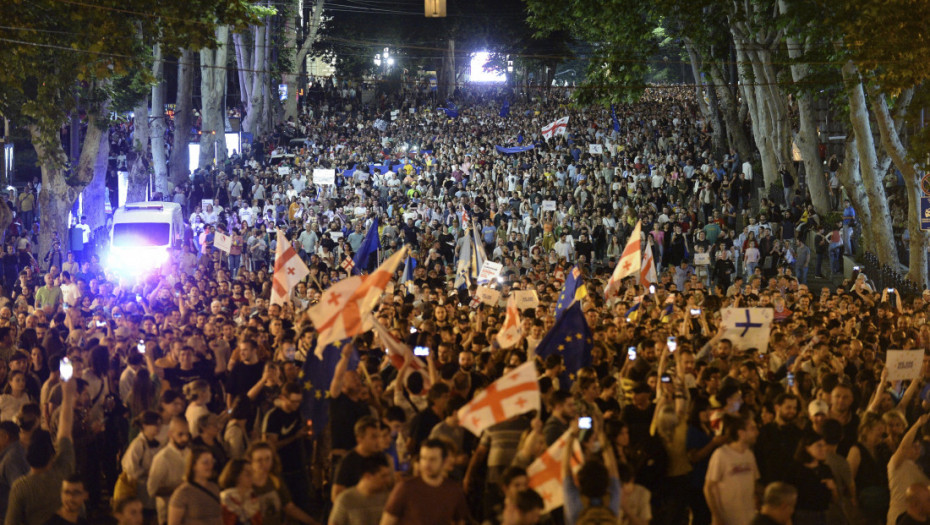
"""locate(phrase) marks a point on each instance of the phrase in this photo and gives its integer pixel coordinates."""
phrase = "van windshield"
(139, 234)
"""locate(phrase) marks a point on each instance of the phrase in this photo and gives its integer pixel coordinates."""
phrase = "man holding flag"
(369, 246)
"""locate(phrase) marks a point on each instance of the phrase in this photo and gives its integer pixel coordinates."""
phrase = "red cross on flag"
(545, 474)
(515, 393)
(397, 351)
(558, 127)
(512, 329)
(289, 270)
(348, 264)
(629, 263)
(647, 274)
(342, 311)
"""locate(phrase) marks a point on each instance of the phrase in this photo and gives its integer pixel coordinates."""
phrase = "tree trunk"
(855, 190)
(138, 157)
(159, 160)
(179, 164)
(730, 109)
(58, 192)
(882, 233)
(212, 99)
(243, 63)
(917, 258)
(95, 194)
(759, 117)
(709, 108)
(253, 110)
(269, 92)
(300, 61)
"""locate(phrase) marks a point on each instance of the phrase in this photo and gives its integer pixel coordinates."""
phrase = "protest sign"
(488, 296)
(489, 271)
(526, 299)
(904, 364)
(222, 242)
(548, 205)
(322, 177)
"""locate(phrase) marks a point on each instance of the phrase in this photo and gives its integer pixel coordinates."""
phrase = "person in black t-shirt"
(73, 497)
(422, 423)
(245, 373)
(352, 466)
(285, 431)
(347, 405)
(187, 370)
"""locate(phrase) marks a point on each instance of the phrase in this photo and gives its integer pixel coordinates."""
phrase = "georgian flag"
(647, 274)
(629, 263)
(558, 127)
(545, 474)
(342, 311)
(289, 270)
(512, 329)
(348, 264)
(515, 393)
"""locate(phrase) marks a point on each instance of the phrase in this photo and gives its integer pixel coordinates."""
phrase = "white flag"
(558, 127)
(748, 327)
(512, 329)
(515, 393)
(289, 270)
(545, 474)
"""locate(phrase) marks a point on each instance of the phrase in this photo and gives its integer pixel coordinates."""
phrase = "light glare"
(478, 74)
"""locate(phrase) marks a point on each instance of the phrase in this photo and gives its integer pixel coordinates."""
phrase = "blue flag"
(517, 149)
(369, 246)
(571, 338)
(407, 277)
(520, 138)
(315, 378)
(613, 116)
(505, 109)
(450, 112)
(574, 289)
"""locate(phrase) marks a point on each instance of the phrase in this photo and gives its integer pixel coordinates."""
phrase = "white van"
(141, 235)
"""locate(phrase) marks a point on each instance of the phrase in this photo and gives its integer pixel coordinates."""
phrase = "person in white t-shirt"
(732, 473)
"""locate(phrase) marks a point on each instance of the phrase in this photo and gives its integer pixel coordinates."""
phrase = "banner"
(488, 296)
(489, 271)
(748, 327)
(904, 364)
(322, 177)
(511, 151)
(222, 242)
(526, 299)
(548, 205)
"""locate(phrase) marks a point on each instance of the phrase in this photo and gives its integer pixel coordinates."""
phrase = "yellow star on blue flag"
(571, 338)
(574, 290)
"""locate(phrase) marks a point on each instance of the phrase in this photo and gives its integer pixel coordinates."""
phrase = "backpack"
(595, 513)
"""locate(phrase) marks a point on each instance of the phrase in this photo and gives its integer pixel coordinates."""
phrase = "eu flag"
(505, 109)
(369, 246)
(407, 277)
(316, 376)
(451, 110)
(574, 289)
(613, 116)
(570, 337)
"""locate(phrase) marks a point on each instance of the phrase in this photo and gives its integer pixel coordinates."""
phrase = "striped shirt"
(36, 496)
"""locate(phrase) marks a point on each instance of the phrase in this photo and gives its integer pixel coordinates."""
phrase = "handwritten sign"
(904, 364)
(526, 299)
(595, 149)
(548, 205)
(322, 177)
(360, 211)
(284, 170)
(204, 203)
(488, 296)
(222, 242)
(702, 259)
(489, 271)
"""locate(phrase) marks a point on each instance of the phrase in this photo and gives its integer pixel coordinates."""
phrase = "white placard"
(412, 111)
(526, 299)
(748, 327)
(702, 259)
(323, 177)
(411, 215)
(595, 149)
(489, 271)
(394, 114)
(284, 170)
(222, 242)
(904, 364)
(361, 211)
(488, 296)
(203, 204)
(335, 235)
(548, 206)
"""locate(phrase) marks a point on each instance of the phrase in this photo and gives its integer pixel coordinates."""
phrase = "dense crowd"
(187, 401)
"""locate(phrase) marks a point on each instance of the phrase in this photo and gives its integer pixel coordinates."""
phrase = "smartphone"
(66, 369)
(790, 379)
(421, 351)
(856, 268)
(631, 353)
(141, 346)
(695, 312)
(672, 343)
(890, 290)
(584, 423)
(652, 288)
(413, 330)
(101, 324)
(666, 379)
(138, 298)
